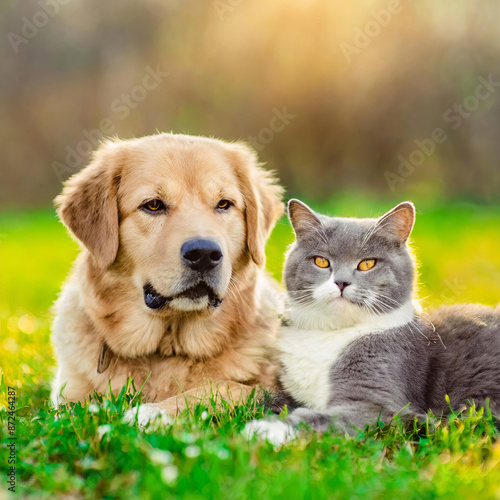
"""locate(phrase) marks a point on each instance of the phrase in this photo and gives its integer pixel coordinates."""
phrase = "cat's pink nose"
(342, 285)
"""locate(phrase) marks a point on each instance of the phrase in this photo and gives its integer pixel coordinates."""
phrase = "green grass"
(78, 452)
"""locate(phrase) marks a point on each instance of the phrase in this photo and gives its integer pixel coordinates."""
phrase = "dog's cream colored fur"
(185, 344)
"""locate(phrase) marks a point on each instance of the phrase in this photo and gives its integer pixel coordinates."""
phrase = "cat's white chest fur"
(307, 355)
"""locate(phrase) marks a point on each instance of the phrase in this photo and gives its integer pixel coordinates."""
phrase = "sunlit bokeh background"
(357, 106)
(363, 81)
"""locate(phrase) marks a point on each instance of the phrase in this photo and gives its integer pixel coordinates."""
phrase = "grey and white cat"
(355, 345)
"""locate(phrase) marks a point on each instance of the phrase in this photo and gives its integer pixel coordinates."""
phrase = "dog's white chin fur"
(187, 305)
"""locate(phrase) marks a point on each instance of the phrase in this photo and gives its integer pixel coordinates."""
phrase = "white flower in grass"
(204, 415)
(169, 473)
(161, 457)
(103, 430)
(192, 451)
(148, 416)
(223, 454)
(94, 408)
(188, 438)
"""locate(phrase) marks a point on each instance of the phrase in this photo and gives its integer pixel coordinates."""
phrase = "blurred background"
(357, 106)
(352, 87)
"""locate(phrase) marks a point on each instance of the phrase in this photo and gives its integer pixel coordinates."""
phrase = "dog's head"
(183, 215)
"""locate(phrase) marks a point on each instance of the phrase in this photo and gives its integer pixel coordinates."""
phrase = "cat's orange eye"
(322, 262)
(367, 264)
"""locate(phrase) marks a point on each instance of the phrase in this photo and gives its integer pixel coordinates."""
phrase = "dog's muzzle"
(155, 300)
(201, 260)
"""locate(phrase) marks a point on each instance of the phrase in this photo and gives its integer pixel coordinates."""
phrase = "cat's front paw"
(148, 416)
(275, 431)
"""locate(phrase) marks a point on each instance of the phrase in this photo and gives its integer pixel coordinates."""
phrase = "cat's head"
(342, 271)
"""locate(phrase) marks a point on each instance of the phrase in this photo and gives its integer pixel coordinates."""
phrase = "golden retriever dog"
(169, 287)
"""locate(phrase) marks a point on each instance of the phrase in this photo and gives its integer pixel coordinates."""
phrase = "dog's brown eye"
(223, 204)
(153, 206)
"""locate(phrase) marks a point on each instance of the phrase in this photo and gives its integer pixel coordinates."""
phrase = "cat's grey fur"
(407, 368)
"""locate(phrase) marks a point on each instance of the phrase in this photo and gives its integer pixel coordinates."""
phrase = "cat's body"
(409, 369)
(355, 347)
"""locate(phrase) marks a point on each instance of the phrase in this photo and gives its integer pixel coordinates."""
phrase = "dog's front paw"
(148, 416)
(275, 431)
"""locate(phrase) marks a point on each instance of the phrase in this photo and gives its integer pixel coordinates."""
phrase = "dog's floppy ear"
(262, 200)
(88, 204)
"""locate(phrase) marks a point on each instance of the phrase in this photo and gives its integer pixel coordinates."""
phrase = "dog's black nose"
(201, 255)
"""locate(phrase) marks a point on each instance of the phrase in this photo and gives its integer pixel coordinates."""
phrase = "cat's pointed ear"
(399, 221)
(302, 218)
